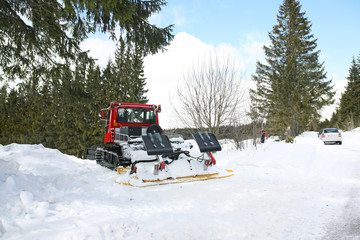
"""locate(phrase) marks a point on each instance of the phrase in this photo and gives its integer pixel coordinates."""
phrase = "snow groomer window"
(135, 115)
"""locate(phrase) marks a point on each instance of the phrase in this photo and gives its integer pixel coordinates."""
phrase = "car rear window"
(332, 130)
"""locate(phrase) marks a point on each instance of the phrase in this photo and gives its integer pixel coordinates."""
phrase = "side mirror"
(157, 108)
(101, 114)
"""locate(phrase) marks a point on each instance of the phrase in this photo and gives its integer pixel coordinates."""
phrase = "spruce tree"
(350, 99)
(46, 114)
(95, 101)
(111, 84)
(4, 113)
(14, 118)
(129, 73)
(138, 80)
(291, 88)
(49, 32)
(72, 112)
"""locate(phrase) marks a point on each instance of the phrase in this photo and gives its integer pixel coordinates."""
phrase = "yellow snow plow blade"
(136, 182)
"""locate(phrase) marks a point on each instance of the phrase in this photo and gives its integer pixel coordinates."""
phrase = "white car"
(330, 135)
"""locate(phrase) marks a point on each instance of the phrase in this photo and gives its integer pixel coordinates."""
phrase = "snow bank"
(356, 130)
(37, 184)
(279, 191)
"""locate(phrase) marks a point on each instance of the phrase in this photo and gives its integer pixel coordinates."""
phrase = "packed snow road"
(305, 190)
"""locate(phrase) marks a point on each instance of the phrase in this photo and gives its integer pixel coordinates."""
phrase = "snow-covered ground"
(305, 190)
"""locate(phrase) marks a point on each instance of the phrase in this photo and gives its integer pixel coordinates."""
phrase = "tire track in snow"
(347, 226)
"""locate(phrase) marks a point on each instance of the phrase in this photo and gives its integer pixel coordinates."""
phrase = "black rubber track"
(111, 157)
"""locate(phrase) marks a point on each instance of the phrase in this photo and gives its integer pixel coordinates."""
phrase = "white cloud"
(254, 44)
(175, 15)
(339, 87)
(100, 49)
(252, 49)
(164, 71)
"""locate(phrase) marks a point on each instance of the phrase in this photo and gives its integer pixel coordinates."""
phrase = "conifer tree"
(138, 80)
(129, 73)
(31, 108)
(95, 101)
(350, 99)
(4, 113)
(49, 32)
(46, 114)
(111, 84)
(71, 127)
(291, 88)
(121, 71)
(13, 110)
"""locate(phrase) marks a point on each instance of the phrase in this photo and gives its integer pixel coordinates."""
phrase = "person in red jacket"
(263, 135)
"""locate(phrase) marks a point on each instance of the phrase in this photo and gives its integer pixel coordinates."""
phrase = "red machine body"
(127, 120)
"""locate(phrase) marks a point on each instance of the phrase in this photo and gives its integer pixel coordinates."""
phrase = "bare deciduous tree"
(211, 94)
